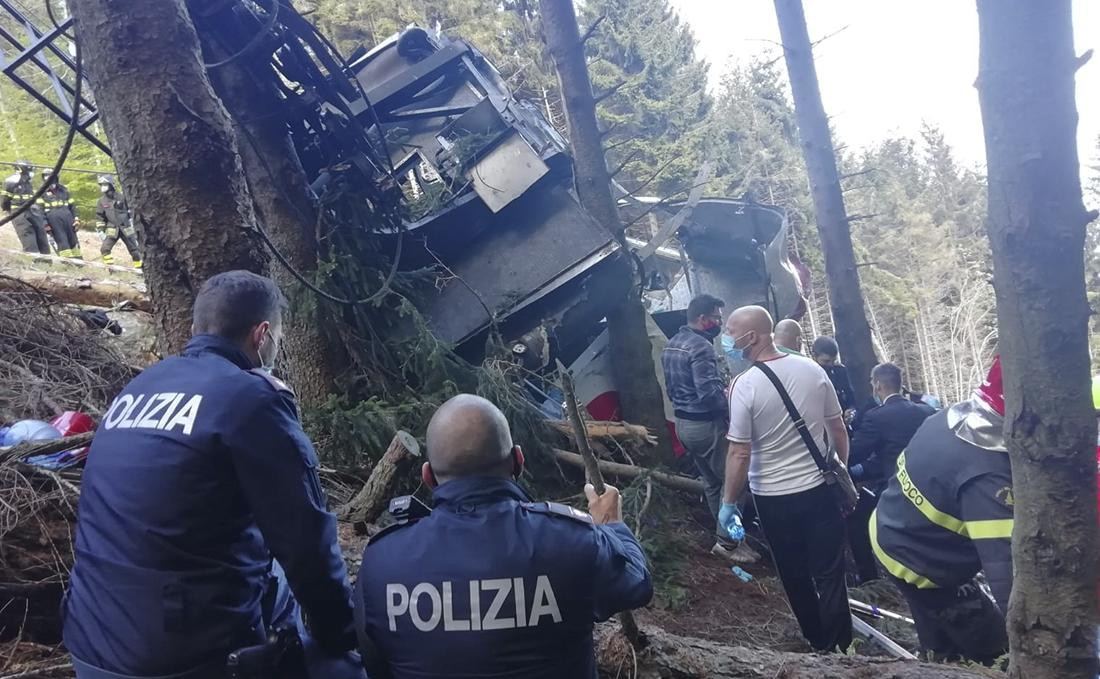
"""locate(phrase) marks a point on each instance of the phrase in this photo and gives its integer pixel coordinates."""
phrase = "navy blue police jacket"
(493, 585)
(198, 475)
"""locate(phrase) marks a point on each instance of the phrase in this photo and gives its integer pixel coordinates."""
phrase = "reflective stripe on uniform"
(892, 566)
(975, 530)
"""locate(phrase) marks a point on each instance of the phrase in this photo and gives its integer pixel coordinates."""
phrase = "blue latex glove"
(856, 471)
(729, 517)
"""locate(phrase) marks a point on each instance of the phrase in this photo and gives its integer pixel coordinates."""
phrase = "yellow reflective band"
(991, 529)
(892, 566)
(923, 505)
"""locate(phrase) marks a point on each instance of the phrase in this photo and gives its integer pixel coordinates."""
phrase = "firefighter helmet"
(992, 390)
(23, 165)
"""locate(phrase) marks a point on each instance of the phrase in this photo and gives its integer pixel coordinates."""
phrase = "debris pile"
(50, 359)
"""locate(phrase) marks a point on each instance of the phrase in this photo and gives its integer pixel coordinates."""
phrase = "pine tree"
(642, 60)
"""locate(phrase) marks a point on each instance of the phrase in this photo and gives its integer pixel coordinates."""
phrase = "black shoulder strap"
(799, 423)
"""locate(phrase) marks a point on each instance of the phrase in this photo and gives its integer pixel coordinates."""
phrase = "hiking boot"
(740, 554)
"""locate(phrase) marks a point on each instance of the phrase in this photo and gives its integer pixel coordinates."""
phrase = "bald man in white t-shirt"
(801, 520)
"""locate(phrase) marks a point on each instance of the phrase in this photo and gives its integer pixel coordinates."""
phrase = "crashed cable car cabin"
(487, 183)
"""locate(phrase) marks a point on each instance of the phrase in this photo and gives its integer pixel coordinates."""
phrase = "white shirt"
(780, 463)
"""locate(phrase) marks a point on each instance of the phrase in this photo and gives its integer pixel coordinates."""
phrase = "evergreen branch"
(592, 29)
(858, 174)
(610, 92)
(611, 128)
(858, 218)
(626, 161)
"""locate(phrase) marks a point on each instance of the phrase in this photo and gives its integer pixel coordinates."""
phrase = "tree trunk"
(640, 396)
(174, 147)
(1037, 230)
(280, 195)
(101, 292)
(853, 333)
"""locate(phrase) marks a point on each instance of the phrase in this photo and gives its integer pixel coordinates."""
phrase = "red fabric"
(70, 423)
(992, 389)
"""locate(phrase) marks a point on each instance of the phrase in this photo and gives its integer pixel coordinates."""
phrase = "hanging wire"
(74, 123)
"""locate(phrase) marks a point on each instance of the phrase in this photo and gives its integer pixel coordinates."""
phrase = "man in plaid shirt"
(697, 392)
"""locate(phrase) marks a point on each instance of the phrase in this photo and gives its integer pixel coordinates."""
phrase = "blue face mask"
(732, 352)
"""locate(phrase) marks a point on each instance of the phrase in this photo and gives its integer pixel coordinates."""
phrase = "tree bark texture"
(635, 375)
(173, 144)
(281, 199)
(853, 333)
(671, 655)
(1037, 231)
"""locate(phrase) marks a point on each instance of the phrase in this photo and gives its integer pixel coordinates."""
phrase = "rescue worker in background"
(491, 584)
(946, 515)
(61, 216)
(873, 453)
(113, 219)
(199, 476)
(30, 225)
(696, 391)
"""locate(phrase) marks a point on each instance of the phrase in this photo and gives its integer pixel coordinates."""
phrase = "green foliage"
(655, 117)
(29, 132)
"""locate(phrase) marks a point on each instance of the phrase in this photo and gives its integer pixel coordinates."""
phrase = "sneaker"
(740, 554)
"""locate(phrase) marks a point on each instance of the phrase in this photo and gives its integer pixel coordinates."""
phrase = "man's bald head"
(750, 328)
(788, 334)
(469, 436)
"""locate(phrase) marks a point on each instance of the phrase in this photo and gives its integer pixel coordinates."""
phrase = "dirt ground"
(89, 245)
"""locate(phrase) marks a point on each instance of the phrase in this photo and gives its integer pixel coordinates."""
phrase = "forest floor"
(89, 245)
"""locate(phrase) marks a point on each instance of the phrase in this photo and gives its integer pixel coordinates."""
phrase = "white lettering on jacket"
(165, 411)
(509, 608)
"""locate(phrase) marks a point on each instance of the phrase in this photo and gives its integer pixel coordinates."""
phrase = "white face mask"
(104, 188)
(267, 363)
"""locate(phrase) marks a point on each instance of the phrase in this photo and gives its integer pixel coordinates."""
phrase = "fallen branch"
(635, 433)
(674, 481)
(30, 448)
(373, 499)
(76, 289)
(592, 471)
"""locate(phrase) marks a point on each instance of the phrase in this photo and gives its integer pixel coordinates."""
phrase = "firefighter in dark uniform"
(200, 492)
(491, 584)
(61, 216)
(946, 515)
(113, 219)
(30, 225)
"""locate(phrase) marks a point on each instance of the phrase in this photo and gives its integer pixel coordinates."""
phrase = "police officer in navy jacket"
(198, 476)
(491, 584)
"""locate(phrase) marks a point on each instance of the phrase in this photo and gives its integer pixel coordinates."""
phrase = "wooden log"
(77, 290)
(620, 431)
(670, 655)
(674, 481)
(373, 499)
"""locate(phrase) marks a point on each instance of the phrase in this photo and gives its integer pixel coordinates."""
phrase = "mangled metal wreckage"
(488, 185)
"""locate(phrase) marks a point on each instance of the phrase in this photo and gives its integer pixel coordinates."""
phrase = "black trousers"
(806, 534)
(957, 623)
(859, 535)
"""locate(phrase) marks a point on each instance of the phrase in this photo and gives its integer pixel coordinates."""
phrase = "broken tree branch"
(610, 92)
(592, 470)
(592, 29)
(29, 448)
(369, 503)
(614, 430)
(669, 228)
(674, 481)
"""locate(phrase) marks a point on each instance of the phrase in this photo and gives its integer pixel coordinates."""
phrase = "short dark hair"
(230, 304)
(888, 374)
(703, 305)
(825, 346)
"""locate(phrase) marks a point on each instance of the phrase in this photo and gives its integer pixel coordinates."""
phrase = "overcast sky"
(897, 63)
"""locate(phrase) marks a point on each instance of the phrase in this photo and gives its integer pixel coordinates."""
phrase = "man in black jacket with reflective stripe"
(946, 515)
